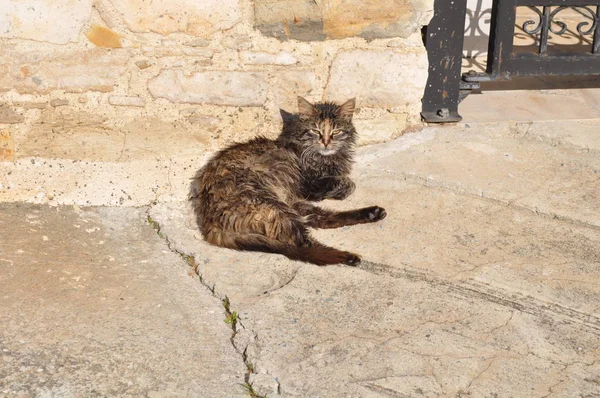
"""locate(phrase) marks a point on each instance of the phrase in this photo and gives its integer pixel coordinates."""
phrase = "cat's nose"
(325, 141)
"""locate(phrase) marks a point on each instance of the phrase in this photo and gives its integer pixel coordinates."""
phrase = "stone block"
(243, 42)
(9, 116)
(103, 37)
(288, 85)
(47, 68)
(208, 122)
(143, 64)
(69, 135)
(378, 78)
(53, 21)
(228, 88)
(83, 136)
(373, 19)
(197, 18)
(264, 58)
(125, 100)
(198, 43)
(380, 129)
(336, 19)
(59, 102)
(289, 19)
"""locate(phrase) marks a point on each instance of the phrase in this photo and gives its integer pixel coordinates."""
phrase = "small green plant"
(250, 391)
(191, 261)
(155, 225)
(231, 319)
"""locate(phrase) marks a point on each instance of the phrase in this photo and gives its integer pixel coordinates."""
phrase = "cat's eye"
(337, 132)
(315, 133)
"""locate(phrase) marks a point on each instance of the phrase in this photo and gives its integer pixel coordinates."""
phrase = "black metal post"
(444, 42)
(596, 40)
(544, 33)
(502, 31)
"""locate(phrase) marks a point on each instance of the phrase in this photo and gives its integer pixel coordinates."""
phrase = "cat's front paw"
(352, 259)
(374, 213)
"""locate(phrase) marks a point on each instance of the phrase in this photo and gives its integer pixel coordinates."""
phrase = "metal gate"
(444, 41)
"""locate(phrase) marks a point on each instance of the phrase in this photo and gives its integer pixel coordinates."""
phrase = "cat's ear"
(305, 109)
(346, 110)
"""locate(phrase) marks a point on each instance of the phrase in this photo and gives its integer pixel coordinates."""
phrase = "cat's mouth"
(327, 151)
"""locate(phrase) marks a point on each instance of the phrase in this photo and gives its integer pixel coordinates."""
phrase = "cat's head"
(324, 128)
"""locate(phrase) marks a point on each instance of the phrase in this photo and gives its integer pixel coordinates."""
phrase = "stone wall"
(108, 102)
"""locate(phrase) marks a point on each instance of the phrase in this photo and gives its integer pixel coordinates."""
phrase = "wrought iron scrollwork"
(595, 20)
(537, 26)
(547, 16)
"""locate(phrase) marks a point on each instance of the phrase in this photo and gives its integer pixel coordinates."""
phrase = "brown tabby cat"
(254, 195)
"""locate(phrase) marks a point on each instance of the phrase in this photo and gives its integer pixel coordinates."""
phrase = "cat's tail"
(316, 254)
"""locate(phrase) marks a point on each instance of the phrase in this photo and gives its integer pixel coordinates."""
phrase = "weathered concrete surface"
(93, 303)
(483, 281)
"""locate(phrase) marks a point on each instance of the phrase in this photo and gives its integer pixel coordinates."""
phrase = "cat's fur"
(255, 195)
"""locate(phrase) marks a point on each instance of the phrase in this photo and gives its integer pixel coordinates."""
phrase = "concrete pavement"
(93, 303)
(483, 281)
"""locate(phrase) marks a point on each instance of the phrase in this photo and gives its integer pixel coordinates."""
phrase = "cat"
(256, 195)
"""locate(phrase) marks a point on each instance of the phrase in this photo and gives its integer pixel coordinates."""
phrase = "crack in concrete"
(231, 317)
(435, 376)
(512, 314)
(387, 391)
(387, 376)
(492, 359)
(282, 285)
(470, 288)
(559, 382)
(475, 267)
(553, 142)
(499, 355)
